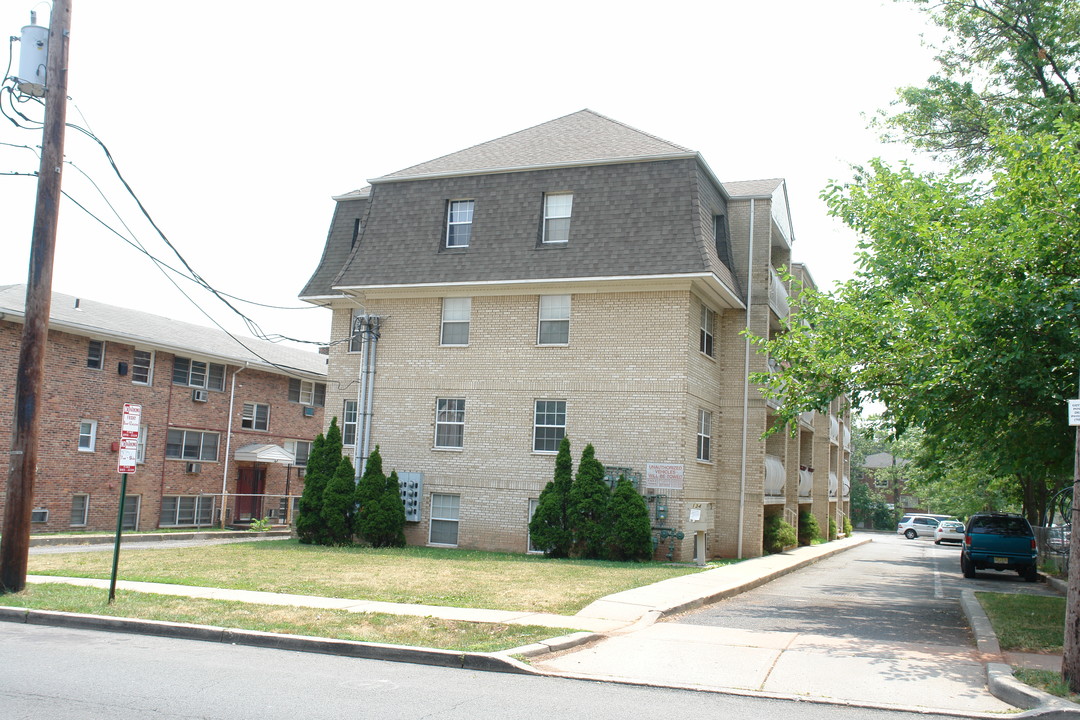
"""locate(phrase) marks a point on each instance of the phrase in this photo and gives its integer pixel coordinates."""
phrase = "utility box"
(699, 516)
(412, 487)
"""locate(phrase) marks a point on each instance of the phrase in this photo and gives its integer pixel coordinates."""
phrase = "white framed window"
(455, 321)
(80, 509)
(708, 318)
(95, 354)
(187, 510)
(195, 373)
(307, 392)
(191, 445)
(256, 416)
(140, 447)
(348, 423)
(459, 218)
(533, 504)
(39, 515)
(704, 436)
(300, 449)
(142, 367)
(132, 505)
(549, 425)
(445, 516)
(450, 423)
(87, 435)
(553, 327)
(557, 207)
(356, 338)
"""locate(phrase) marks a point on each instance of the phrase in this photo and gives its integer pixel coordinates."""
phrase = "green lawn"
(339, 624)
(429, 576)
(1026, 623)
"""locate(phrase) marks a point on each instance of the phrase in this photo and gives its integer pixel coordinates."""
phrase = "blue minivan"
(999, 541)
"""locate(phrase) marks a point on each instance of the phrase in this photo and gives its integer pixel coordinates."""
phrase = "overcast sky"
(235, 122)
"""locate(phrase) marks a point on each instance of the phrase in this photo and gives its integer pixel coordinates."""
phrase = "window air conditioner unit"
(193, 467)
(199, 395)
(309, 411)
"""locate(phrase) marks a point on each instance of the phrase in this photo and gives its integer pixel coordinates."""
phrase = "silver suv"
(912, 526)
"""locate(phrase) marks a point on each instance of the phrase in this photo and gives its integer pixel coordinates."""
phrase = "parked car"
(999, 541)
(949, 531)
(913, 525)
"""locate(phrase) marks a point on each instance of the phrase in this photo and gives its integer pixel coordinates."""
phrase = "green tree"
(323, 460)
(338, 504)
(384, 522)
(630, 535)
(1003, 64)
(589, 505)
(961, 316)
(549, 528)
(369, 492)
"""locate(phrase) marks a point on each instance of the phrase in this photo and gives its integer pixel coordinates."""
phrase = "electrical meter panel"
(412, 488)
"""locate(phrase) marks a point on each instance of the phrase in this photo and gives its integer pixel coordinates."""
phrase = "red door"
(250, 483)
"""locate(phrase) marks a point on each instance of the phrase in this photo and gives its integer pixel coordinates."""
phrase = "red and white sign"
(664, 476)
(129, 438)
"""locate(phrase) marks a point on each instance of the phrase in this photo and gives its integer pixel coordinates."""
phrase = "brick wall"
(74, 393)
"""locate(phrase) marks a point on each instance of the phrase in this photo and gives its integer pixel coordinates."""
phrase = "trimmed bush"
(832, 529)
(630, 537)
(847, 526)
(549, 528)
(809, 531)
(778, 534)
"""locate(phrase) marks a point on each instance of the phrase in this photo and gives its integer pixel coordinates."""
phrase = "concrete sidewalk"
(617, 638)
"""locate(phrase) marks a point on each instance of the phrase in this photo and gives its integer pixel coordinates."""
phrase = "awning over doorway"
(265, 454)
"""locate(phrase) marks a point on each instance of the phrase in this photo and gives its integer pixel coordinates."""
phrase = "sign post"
(129, 455)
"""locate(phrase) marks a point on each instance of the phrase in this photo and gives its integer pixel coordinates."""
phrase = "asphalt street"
(64, 674)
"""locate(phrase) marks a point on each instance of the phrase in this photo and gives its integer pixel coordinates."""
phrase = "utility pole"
(15, 540)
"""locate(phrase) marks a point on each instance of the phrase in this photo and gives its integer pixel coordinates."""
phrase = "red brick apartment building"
(219, 419)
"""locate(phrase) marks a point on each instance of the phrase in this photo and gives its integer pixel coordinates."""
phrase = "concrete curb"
(488, 662)
(999, 676)
(848, 544)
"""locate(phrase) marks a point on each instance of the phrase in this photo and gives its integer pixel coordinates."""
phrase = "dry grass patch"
(339, 624)
(427, 576)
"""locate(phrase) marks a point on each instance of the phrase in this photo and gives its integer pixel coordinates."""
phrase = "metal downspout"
(746, 384)
(373, 349)
(365, 393)
(228, 443)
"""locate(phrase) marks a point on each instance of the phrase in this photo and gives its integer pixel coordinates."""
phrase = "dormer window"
(459, 219)
(557, 208)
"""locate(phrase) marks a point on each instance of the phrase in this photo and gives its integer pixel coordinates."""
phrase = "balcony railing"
(778, 295)
(847, 438)
(774, 476)
(806, 482)
(834, 429)
(807, 418)
(832, 484)
(847, 487)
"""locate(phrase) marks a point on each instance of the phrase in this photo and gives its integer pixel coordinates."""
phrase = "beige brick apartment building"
(582, 278)
(211, 410)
